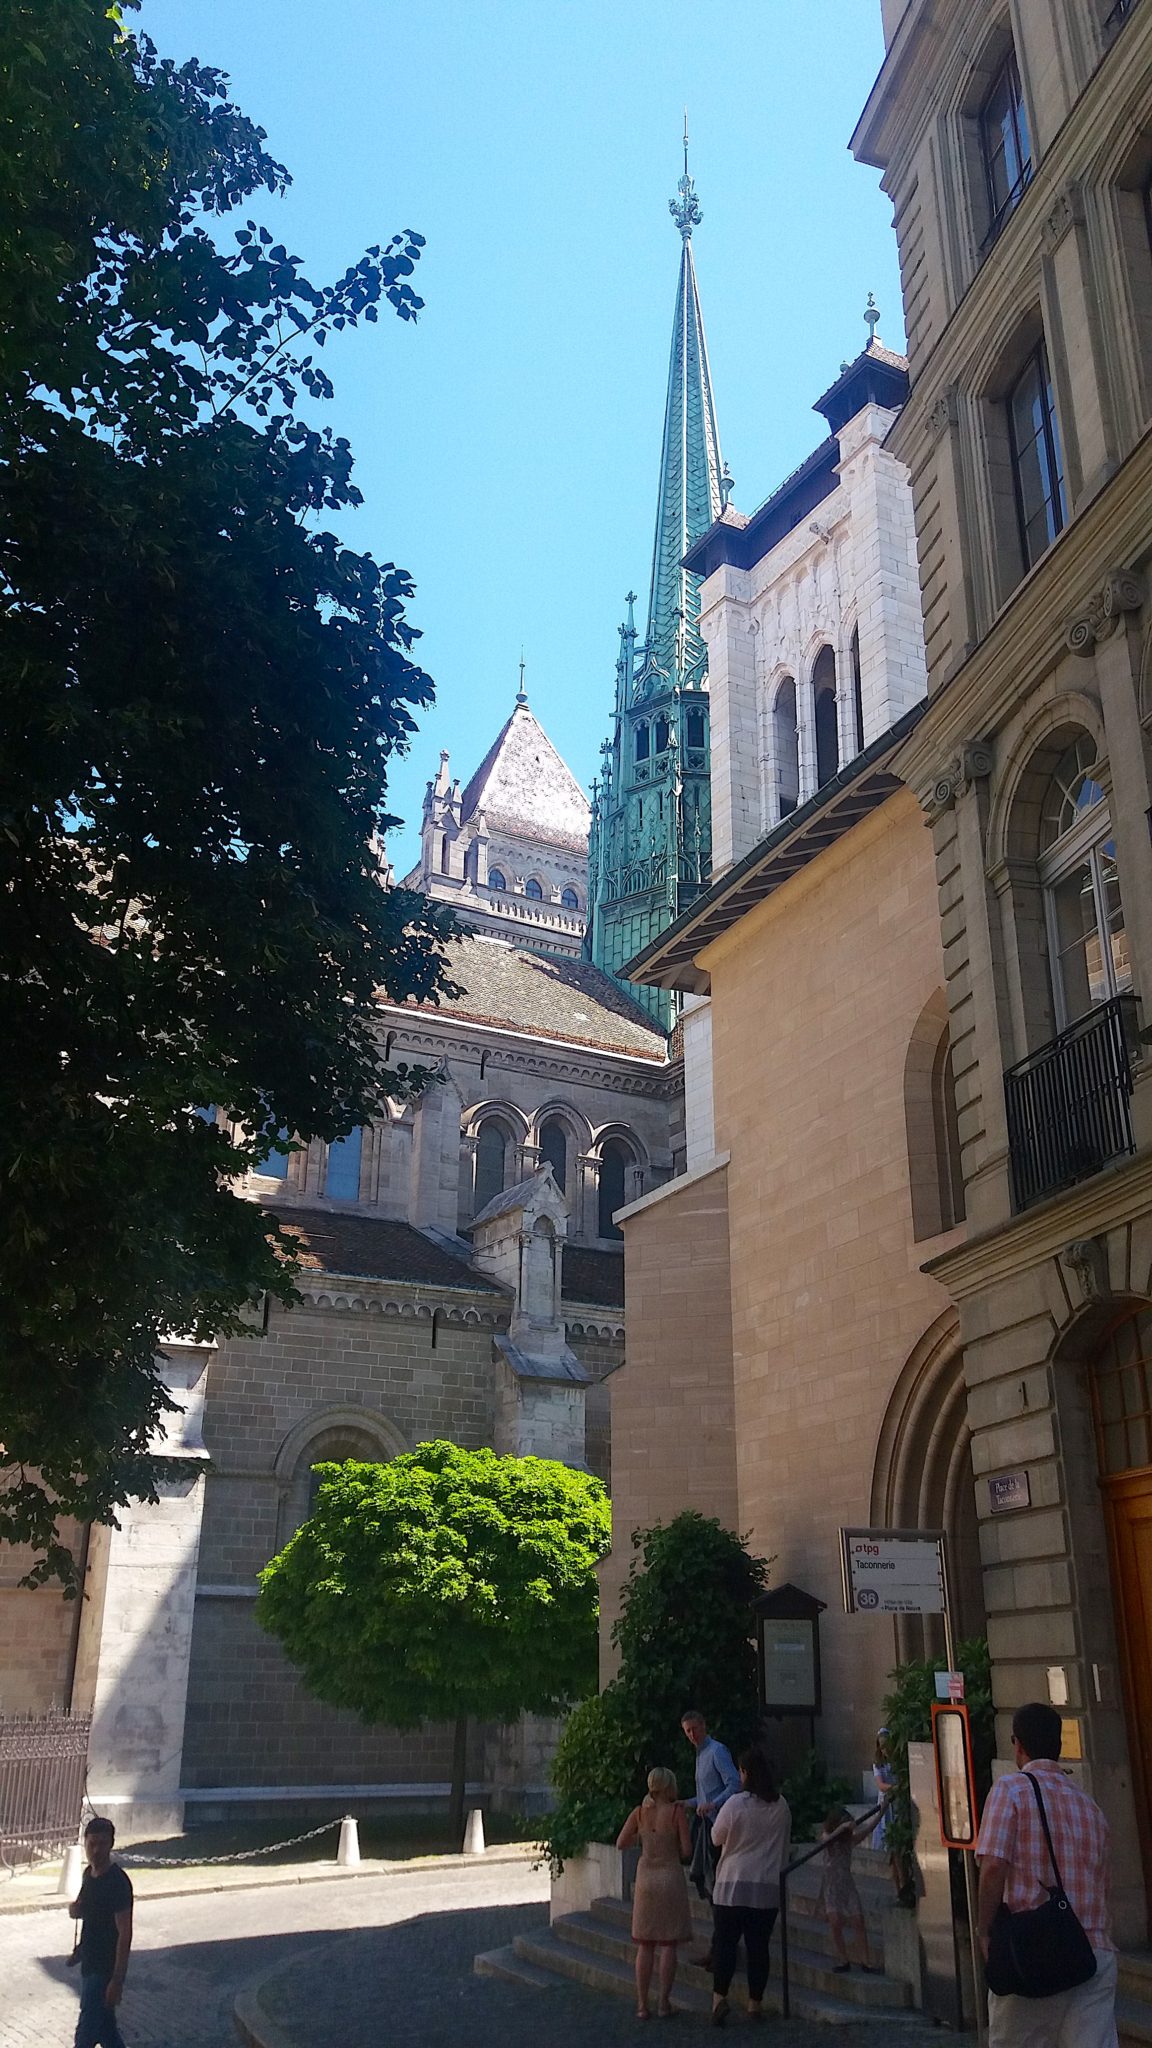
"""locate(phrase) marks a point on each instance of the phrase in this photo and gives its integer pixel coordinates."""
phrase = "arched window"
(496, 879)
(1087, 942)
(1122, 1397)
(275, 1167)
(946, 1137)
(661, 735)
(492, 1145)
(569, 900)
(786, 746)
(935, 1178)
(643, 740)
(857, 688)
(444, 855)
(824, 711)
(694, 728)
(554, 1151)
(342, 1179)
(532, 888)
(615, 1159)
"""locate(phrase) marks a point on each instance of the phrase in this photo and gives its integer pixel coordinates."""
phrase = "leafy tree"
(200, 688)
(685, 1637)
(447, 1585)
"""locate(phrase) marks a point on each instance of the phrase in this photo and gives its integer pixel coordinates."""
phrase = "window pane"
(1114, 915)
(554, 1152)
(1036, 458)
(276, 1164)
(342, 1181)
(1138, 1451)
(1080, 958)
(491, 1147)
(496, 879)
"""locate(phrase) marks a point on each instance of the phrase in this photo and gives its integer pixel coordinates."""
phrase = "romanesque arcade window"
(496, 879)
(786, 746)
(342, 1178)
(569, 900)
(554, 1151)
(1087, 942)
(824, 711)
(492, 1143)
(615, 1159)
(533, 889)
(857, 688)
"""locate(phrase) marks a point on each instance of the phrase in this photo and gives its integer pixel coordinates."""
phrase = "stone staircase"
(1134, 2000)
(595, 1948)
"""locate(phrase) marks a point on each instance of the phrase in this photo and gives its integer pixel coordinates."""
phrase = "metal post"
(969, 1860)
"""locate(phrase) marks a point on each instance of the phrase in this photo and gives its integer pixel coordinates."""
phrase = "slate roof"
(372, 1248)
(593, 1276)
(523, 787)
(550, 995)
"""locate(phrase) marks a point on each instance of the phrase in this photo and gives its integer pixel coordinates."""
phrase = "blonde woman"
(661, 1913)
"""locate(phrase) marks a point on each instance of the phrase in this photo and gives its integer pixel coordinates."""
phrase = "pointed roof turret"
(523, 787)
(693, 481)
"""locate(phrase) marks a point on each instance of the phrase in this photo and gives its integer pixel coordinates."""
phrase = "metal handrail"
(797, 1863)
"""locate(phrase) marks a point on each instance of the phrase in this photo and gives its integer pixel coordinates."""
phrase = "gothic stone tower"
(650, 846)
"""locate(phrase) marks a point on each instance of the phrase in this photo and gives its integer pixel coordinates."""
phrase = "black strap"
(1047, 1835)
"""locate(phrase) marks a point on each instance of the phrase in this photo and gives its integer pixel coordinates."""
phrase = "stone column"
(142, 1623)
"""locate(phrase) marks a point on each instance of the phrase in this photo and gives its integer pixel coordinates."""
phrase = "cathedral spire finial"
(521, 694)
(871, 318)
(685, 211)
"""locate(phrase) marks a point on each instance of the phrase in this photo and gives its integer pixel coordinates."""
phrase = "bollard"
(72, 1871)
(348, 1854)
(474, 1833)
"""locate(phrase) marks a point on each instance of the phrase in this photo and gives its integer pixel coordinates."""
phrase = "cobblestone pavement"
(350, 1966)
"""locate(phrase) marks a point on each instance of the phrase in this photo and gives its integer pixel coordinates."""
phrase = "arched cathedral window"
(496, 879)
(532, 888)
(554, 1151)
(824, 712)
(492, 1145)
(643, 740)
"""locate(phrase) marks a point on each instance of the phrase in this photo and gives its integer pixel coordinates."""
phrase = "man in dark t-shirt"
(104, 1909)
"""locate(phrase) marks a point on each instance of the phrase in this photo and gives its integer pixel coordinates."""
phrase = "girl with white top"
(753, 1832)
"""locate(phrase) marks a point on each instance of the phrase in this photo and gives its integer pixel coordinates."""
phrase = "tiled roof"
(593, 1276)
(549, 995)
(523, 787)
(372, 1248)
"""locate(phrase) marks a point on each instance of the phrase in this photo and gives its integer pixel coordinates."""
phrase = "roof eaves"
(862, 784)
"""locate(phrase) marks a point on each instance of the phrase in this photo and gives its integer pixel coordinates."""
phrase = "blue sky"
(507, 443)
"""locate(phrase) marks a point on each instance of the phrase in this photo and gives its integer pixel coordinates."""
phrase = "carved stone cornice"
(972, 764)
(1123, 591)
(1065, 212)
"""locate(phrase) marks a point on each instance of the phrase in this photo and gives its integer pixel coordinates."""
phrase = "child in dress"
(661, 1912)
(839, 1898)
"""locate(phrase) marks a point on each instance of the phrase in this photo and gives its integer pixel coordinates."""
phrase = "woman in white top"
(753, 1832)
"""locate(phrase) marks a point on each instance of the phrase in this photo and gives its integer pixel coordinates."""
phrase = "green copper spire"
(691, 493)
(650, 845)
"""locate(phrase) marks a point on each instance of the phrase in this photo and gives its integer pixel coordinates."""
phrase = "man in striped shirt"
(1015, 1870)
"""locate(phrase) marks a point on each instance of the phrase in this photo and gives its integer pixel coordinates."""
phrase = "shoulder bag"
(1045, 1950)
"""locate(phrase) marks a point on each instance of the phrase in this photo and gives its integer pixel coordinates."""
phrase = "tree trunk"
(456, 1795)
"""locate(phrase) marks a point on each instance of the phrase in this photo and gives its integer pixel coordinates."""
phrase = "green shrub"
(685, 1640)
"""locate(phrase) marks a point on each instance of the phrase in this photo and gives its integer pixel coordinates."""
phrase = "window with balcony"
(1005, 145)
(1087, 942)
(1037, 464)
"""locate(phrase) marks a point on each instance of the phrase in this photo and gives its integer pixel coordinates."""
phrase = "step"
(607, 1927)
(806, 1925)
(598, 1973)
(511, 1969)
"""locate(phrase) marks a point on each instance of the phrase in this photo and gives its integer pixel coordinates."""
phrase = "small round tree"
(447, 1585)
(685, 1637)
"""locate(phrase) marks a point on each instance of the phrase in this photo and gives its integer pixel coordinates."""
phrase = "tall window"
(276, 1164)
(496, 879)
(643, 741)
(662, 735)
(824, 707)
(615, 1159)
(694, 729)
(1122, 1397)
(532, 888)
(857, 688)
(786, 746)
(569, 900)
(491, 1160)
(1087, 942)
(554, 1151)
(1004, 143)
(342, 1180)
(1037, 465)
(946, 1134)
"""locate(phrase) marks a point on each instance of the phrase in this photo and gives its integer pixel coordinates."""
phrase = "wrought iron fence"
(43, 1758)
(1068, 1103)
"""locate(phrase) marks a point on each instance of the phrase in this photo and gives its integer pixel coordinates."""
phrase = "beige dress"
(660, 1907)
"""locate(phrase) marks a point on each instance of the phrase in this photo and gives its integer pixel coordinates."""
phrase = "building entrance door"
(1122, 1399)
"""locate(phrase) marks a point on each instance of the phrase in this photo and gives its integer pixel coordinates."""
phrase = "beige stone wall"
(37, 1631)
(816, 996)
(672, 1430)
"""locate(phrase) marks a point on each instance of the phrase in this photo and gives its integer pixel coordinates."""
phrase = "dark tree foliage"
(199, 692)
(685, 1638)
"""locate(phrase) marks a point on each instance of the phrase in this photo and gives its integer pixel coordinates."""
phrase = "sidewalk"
(36, 1890)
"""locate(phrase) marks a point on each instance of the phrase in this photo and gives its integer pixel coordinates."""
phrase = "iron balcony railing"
(1069, 1103)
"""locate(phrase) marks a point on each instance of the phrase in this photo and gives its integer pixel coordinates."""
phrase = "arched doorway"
(922, 1479)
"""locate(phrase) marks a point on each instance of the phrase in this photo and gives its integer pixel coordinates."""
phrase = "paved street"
(369, 1960)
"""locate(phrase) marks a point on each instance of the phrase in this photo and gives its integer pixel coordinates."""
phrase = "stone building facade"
(1016, 144)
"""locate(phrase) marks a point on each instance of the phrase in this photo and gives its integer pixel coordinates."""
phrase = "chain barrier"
(240, 1856)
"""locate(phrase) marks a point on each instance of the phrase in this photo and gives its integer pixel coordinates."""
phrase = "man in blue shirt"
(716, 1774)
(716, 1780)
